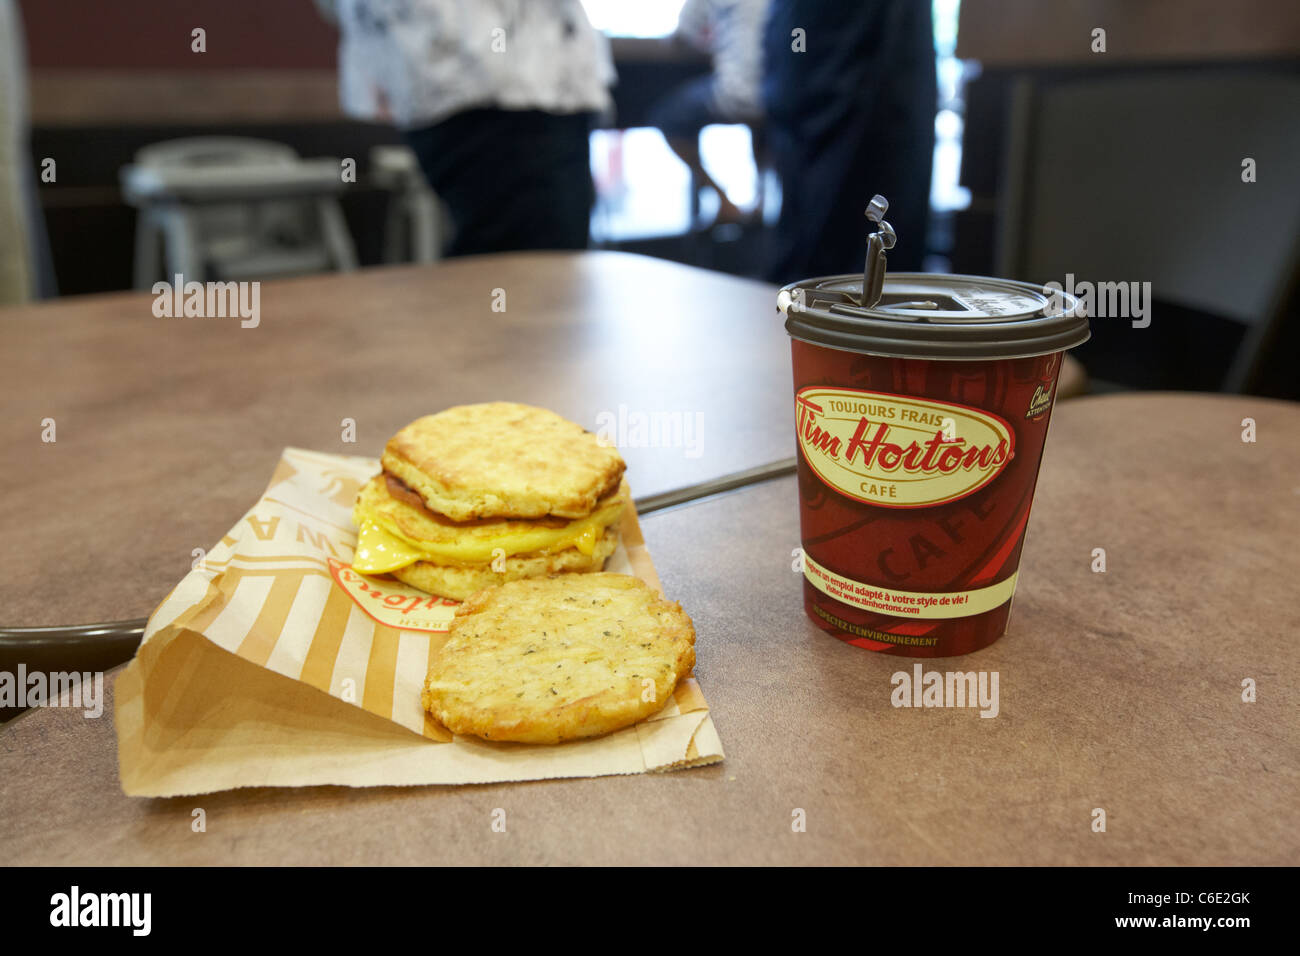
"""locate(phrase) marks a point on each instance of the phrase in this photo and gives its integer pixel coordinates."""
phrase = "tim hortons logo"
(899, 452)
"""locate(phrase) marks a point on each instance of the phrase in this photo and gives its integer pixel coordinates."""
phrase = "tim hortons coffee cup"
(921, 409)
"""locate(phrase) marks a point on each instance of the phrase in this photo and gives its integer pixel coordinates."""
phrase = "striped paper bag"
(272, 663)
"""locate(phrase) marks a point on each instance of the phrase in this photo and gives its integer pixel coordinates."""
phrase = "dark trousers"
(512, 179)
(850, 117)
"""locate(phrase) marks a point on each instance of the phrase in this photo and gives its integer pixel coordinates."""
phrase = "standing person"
(731, 32)
(851, 95)
(496, 98)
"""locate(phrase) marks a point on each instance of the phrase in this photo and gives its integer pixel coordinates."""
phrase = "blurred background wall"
(1120, 156)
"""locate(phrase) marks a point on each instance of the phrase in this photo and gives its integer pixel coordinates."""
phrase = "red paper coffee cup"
(920, 424)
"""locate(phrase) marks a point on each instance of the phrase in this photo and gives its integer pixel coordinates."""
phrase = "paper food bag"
(272, 663)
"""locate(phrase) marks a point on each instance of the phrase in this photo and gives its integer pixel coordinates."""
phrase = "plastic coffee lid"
(931, 316)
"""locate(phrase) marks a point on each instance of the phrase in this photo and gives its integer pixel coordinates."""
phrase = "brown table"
(1119, 690)
(169, 429)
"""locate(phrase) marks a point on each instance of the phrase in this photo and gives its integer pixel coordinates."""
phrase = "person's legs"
(687, 149)
(826, 187)
(820, 230)
(856, 120)
(511, 179)
(680, 116)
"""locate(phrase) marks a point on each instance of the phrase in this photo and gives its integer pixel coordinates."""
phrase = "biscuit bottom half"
(460, 581)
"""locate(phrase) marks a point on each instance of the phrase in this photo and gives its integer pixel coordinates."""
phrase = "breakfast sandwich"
(559, 658)
(482, 494)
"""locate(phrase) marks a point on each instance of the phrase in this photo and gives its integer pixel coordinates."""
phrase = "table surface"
(168, 429)
(1119, 690)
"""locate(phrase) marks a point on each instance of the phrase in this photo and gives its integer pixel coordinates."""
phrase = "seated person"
(731, 32)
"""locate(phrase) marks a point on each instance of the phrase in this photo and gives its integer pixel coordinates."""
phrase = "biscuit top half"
(502, 459)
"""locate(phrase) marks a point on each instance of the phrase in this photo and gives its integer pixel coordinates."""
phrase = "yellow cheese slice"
(381, 547)
(587, 538)
(378, 551)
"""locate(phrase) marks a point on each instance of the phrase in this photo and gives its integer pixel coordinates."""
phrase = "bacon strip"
(403, 492)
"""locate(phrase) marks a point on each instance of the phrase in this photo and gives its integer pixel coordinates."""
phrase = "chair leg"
(148, 250)
(334, 230)
(183, 255)
(423, 210)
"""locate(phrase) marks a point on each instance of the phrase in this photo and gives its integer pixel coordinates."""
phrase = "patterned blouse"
(416, 62)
